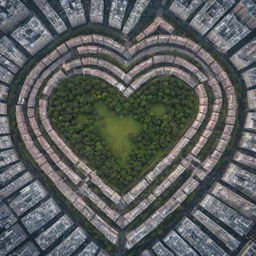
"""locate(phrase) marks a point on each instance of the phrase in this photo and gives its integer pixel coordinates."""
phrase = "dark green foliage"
(79, 95)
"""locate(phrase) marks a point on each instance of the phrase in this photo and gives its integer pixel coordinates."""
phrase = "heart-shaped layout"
(195, 154)
(122, 138)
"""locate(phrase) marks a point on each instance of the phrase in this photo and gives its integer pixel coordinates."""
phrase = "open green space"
(158, 110)
(122, 138)
(117, 131)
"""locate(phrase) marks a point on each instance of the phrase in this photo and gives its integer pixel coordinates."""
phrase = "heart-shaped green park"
(122, 138)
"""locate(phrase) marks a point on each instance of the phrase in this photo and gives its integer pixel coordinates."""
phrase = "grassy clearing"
(116, 130)
(158, 110)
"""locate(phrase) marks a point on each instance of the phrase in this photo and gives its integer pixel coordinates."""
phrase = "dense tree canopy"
(74, 114)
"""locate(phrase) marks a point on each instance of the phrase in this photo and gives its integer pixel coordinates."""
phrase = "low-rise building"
(12, 12)
(135, 15)
(75, 11)
(246, 11)
(210, 14)
(41, 215)
(159, 249)
(178, 245)
(11, 238)
(117, 13)
(248, 141)
(250, 121)
(241, 179)
(51, 15)
(198, 238)
(228, 32)
(9, 51)
(33, 35)
(227, 215)
(27, 198)
(97, 11)
(245, 56)
(50, 235)
(70, 244)
(249, 77)
(184, 8)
